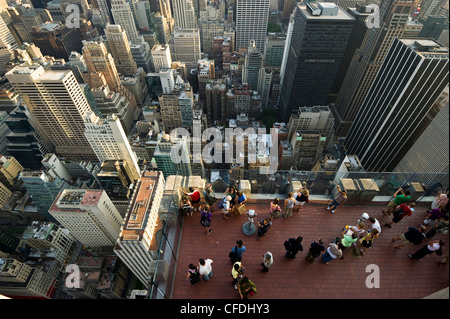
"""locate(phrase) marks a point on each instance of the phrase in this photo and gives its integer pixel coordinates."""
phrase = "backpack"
(287, 245)
(220, 205)
(195, 277)
(204, 221)
(187, 208)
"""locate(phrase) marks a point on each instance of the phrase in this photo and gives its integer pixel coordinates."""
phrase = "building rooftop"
(136, 218)
(401, 278)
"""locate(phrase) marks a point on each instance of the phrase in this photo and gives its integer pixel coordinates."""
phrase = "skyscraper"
(119, 47)
(184, 14)
(109, 141)
(252, 17)
(252, 65)
(56, 101)
(185, 46)
(89, 215)
(319, 38)
(7, 44)
(136, 244)
(99, 60)
(400, 103)
(367, 60)
(56, 39)
(123, 16)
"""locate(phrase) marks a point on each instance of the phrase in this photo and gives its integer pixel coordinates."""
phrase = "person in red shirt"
(195, 197)
(401, 212)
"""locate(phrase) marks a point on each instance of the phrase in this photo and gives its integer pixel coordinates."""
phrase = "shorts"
(366, 243)
(392, 204)
(299, 203)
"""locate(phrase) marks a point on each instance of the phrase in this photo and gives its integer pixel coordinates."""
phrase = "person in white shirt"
(431, 247)
(375, 224)
(205, 268)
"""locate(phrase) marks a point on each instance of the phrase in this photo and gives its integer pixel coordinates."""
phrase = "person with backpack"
(402, 211)
(413, 235)
(195, 197)
(237, 251)
(193, 275)
(205, 219)
(186, 206)
(293, 246)
(315, 249)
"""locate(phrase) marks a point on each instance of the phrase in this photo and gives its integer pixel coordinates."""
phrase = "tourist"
(263, 227)
(237, 251)
(236, 273)
(195, 197)
(401, 212)
(208, 195)
(413, 235)
(302, 197)
(205, 268)
(338, 200)
(275, 209)
(400, 197)
(267, 261)
(315, 249)
(186, 206)
(193, 274)
(431, 247)
(246, 288)
(293, 246)
(205, 219)
(334, 251)
(289, 205)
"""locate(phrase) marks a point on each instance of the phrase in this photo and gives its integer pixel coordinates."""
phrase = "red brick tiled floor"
(400, 277)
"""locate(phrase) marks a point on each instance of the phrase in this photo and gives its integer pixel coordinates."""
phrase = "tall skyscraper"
(123, 16)
(319, 38)
(99, 60)
(56, 101)
(252, 17)
(119, 47)
(89, 215)
(418, 158)
(360, 13)
(184, 14)
(136, 244)
(252, 64)
(109, 141)
(400, 103)
(7, 44)
(367, 60)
